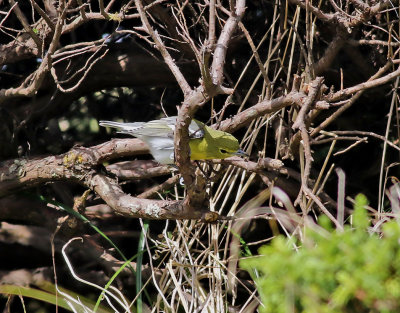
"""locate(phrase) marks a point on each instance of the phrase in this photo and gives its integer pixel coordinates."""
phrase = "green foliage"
(332, 271)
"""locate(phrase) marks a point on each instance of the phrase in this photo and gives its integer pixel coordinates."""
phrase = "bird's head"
(222, 145)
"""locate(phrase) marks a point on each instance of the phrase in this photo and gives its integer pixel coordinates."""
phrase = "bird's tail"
(124, 128)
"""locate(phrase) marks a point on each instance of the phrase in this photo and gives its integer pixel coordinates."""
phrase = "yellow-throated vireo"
(205, 143)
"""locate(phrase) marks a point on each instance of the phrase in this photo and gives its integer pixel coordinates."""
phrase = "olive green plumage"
(205, 143)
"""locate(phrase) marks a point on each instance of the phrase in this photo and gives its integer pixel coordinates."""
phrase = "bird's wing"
(123, 128)
(156, 128)
(196, 128)
(164, 127)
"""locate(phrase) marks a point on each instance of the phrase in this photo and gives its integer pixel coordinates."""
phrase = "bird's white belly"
(161, 148)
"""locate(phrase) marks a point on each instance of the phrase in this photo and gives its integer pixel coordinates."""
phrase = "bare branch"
(78, 165)
(168, 184)
(256, 55)
(23, 173)
(129, 206)
(28, 88)
(138, 169)
(300, 123)
(43, 15)
(163, 50)
(217, 67)
(371, 83)
(211, 23)
(264, 107)
(21, 17)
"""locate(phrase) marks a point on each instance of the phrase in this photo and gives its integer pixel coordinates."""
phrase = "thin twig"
(256, 55)
(163, 50)
(22, 18)
(43, 15)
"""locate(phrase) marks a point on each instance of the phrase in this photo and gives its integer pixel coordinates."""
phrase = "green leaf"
(330, 272)
(360, 215)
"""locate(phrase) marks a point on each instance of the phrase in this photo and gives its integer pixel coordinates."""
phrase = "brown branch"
(119, 148)
(138, 169)
(314, 89)
(364, 133)
(359, 89)
(344, 105)
(73, 165)
(325, 17)
(310, 194)
(168, 184)
(211, 23)
(80, 20)
(102, 10)
(264, 107)
(163, 50)
(245, 117)
(365, 139)
(371, 83)
(271, 171)
(354, 42)
(182, 150)
(24, 47)
(369, 13)
(336, 114)
(172, 26)
(22, 173)
(43, 15)
(335, 6)
(78, 165)
(256, 56)
(300, 123)
(360, 5)
(217, 67)
(19, 48)
(261, 165)
(346, 20)
(343, 23)
(82, 9)
(193, 100)
(86, 70)
(326, 140)
(40, 73)
(129, 206)
(21, 17)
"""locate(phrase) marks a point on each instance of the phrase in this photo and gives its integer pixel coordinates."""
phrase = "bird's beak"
(241, 153)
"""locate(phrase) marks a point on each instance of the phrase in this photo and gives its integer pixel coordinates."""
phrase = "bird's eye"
(223, 151)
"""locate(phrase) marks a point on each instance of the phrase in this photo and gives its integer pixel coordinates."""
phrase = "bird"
(205, 143)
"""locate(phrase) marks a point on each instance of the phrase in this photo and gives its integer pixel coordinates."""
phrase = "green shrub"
(349, 271)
